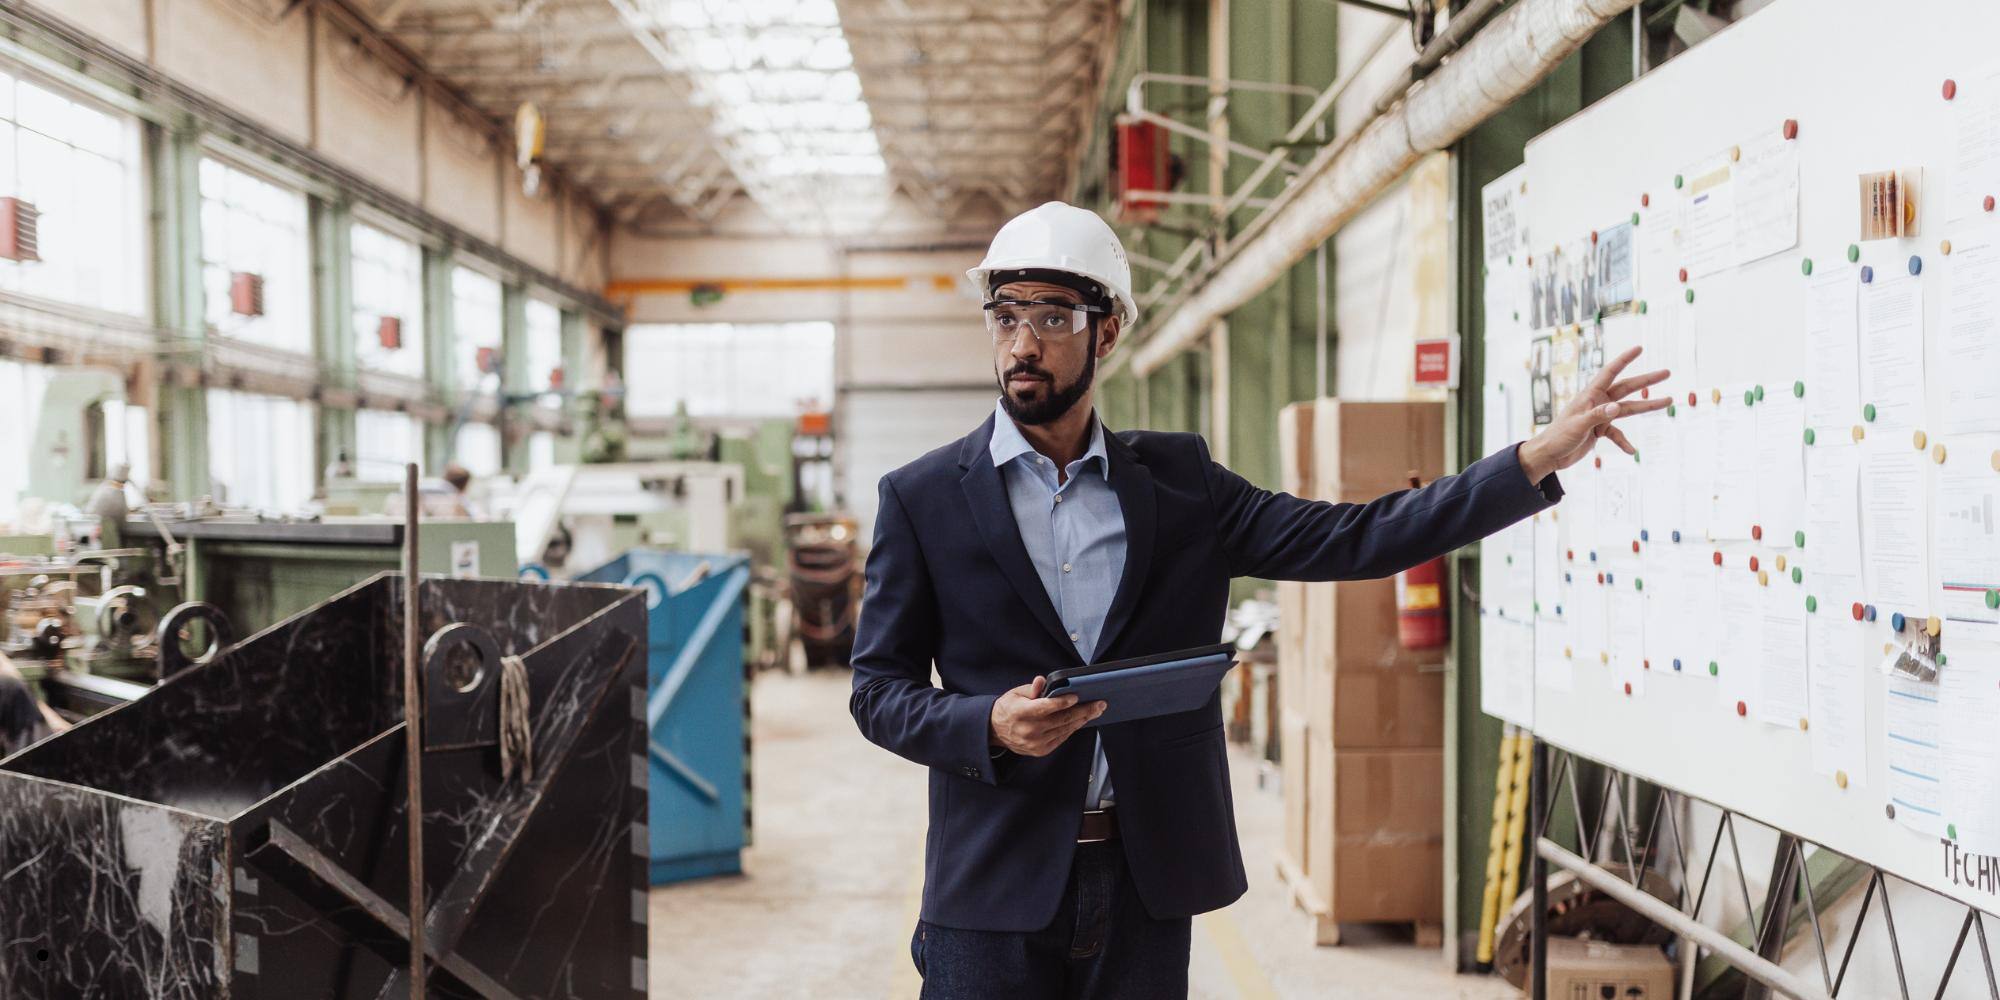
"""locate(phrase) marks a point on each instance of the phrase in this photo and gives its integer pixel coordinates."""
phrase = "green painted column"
(569, 447)
(333, 326)
(443, 377)
(176, 240)
(514, 377)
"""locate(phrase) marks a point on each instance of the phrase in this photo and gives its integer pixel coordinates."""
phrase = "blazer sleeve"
(1277, 536)
(895, 641)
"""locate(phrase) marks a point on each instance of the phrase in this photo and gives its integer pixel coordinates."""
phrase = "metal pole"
(413, 744)
(1538, 874)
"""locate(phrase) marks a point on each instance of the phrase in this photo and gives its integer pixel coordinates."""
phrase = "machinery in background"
(697, 711)
(578, 516)
(825, 569)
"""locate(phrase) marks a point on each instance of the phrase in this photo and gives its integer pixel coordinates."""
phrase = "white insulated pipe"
(1500, 63)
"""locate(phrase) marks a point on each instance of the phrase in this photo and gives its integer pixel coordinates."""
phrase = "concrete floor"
(830, 893)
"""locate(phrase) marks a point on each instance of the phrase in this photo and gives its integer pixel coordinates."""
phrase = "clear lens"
(1047, 321)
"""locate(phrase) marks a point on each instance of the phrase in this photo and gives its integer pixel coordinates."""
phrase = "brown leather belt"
(1099, 825)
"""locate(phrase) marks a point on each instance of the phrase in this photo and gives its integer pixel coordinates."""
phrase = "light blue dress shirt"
(1074, 531)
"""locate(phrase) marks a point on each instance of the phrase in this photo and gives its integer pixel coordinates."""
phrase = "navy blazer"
(949, 582)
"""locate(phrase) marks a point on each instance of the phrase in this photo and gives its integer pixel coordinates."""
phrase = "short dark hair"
(458, 476)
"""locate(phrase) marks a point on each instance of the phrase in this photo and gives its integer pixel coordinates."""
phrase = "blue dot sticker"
(1867, 274)
(1916, 264)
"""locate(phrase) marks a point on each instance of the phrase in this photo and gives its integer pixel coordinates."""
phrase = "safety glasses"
(1007, 318)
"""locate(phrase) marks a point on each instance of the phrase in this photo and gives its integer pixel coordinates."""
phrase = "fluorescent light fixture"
(784, 104)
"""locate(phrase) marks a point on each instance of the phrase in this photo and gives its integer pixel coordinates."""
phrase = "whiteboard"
(1863, 81)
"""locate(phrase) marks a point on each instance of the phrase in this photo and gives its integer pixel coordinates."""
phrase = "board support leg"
(1538, 873)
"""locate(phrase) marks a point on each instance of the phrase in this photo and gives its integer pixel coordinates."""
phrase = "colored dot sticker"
(1940, 659)
(1635, 218)
(1916, 264)
(1715, 395)
(1763, 578)
(1993, 598)
(1677, 663)
(1628, 687)
(1869, 612)
(1802, 723)
(1749, 396)
(1950, 88)
(1896, 621)
(1718, 558)
(1760, 393)
(1951, 830)
(1859, 433)
(1644, 536)
(1840, 778)
(1937, 453)
(1988, 203)
(1677, 182)
(1713, 670)
(1868, 412)
(1853, 252)
(1889, 810)
(1742, 709)
(1812, 603)
(1799, 390)
(1867, 274)
(1805, 266)
(1944, 247)
(1791, 128)
(1670, 409)
(1809, 435)
(1638, 584)
(1781, 562)
(1677, 539)
(1798, 539)
(1798, 576)
(1690, 296)
(1996, 455)
(1857, 610)
(1642, 306)
(1917, 440)
(1756, 535)
(1932, 626)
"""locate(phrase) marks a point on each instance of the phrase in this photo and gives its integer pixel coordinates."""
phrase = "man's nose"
(1026, 346)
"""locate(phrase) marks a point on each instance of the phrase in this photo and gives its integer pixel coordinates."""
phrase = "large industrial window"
(729, 369)
(477, 448)
(385, 441)
(260, 449)
(544, 345)
(475, 318)
(388, 317)
(256, 264)
(21, 390)
(79, 166)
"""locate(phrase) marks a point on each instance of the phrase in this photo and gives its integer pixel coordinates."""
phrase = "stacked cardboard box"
(1364, 812)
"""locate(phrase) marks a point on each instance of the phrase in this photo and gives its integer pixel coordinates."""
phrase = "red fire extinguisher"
(1420, 610)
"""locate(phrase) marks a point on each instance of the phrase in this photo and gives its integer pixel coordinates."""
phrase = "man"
(24, 721)
(1064, 863)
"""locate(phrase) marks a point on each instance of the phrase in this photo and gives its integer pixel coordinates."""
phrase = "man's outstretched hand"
(1033, 726)
(1589, 416)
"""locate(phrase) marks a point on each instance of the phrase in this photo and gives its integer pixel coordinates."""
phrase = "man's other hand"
(1033, 726)
(1590, 416)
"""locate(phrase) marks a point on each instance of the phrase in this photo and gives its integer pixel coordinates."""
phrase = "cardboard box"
(1295, 449)
(1589, 970)
(1375, 830)
(1362, 688)
(1363, 450)
(1295, 783)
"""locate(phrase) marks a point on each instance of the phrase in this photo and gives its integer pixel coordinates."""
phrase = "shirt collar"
(1009, 444)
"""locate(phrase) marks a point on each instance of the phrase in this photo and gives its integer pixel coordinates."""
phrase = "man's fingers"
(1625, 387)
(1076, 715)
(1609, 372)
(1618, 438)
(1044, 709)
(1606, 413)
(1037, 686)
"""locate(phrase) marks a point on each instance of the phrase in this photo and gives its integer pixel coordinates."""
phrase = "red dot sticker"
(1635, 545)
(1690, 399)
(1988, 204)
(1742, 709)
(1645, 664)
(1857, 610)
(1757, 532)
(1791, 128)
(1569, 554)
(1628, 687)
(1593, 236)
(1645, 200)
(1600, 578)
(1950, 89)
(1597, 463)
(1684, 275)
(1753, 564)
(1718, 558)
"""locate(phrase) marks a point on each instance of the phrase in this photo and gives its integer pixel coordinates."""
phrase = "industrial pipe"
(1501, 62)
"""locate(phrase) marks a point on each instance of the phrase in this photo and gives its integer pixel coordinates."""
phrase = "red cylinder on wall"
(1420, 612)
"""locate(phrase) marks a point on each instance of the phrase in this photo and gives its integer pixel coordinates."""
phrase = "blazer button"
(970, 772)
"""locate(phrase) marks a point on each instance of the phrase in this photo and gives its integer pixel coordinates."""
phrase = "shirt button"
(1059, 498)
(1065, 567)
(1074, 637)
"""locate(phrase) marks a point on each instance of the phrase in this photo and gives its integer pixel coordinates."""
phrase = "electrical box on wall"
(20, 230)
(1140, 161)
(246, 293)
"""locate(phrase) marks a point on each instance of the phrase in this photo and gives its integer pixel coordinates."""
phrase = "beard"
(1057, 401)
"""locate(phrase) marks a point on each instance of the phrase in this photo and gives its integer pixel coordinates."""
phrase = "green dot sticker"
(1690, 295)
(1670, 409)
(1538, 607)
(1799, 390)
(1635, 218)
(1510, 558)
(1797, 576)
(1677, 182)
(1805, 266)
(1812, 603)
(1713, 669)
(1760, 393)
(1798, 539)
(1853, 253)
(1638, 584)
(1642, 307)
(1951, 830)
(1940, 659)
(1510, 260)
(1809, 435)
(1749, 397)
(1993, 598)
(1868, 413)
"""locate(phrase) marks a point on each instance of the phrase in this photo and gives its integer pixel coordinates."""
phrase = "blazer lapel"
(986, 494)
(1133, 483)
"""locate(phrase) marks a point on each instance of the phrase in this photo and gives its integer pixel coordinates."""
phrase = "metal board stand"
(1554, 771)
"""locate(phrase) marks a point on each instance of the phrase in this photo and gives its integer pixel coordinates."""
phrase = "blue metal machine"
(697, 709)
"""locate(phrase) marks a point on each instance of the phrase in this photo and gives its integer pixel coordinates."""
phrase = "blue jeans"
(1102, 945)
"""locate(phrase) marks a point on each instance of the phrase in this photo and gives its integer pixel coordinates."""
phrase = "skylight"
(785, 106)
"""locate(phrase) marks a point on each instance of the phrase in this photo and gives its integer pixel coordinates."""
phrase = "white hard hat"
(1054, 236)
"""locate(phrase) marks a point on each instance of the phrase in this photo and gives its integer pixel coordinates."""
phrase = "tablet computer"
(1145, 686)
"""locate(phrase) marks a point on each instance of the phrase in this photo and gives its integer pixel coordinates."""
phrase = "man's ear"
(1107, 336)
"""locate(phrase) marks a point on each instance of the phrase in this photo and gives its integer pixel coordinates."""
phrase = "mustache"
(1023, 368)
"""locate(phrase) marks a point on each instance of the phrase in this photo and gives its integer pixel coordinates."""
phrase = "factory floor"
(830, 890)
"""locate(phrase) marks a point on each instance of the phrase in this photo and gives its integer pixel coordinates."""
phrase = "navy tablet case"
(1146, 686)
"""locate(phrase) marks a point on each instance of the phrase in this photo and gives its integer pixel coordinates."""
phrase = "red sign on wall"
(1436, 364)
